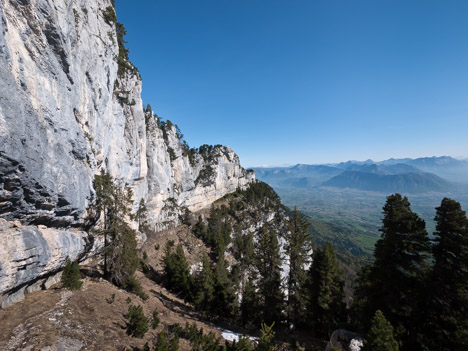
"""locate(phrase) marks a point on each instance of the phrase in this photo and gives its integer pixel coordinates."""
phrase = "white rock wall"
(62, 119)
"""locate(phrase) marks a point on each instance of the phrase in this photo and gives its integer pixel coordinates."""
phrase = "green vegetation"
(416, 285)
(137, 324)
(71, 275)
(298, 248)
(176, 271)
(394, 283)
(205, 174)
(448, 282)
(124, 64)
(114, 203)
(155, 322)
(77, 17)
(326, 308)
(268, 263)
(380, 336)
(421, 288)
(267, 338)
(142, 216)
(109, 15)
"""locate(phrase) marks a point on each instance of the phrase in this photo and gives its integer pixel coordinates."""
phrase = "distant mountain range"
(422, 175)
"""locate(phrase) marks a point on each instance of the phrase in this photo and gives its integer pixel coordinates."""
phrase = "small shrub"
(174, 343)
(267, 342)
(109, 15)
(172, 154)
(71, 275)
(137, 324)
(161, 343)
(155, 322)
(111, 300)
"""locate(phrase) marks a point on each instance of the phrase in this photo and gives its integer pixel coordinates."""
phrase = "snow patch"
(233, 336)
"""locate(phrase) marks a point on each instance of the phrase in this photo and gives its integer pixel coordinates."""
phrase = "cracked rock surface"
(65, 114)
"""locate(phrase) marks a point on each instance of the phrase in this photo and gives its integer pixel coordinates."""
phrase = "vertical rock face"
(65, 113)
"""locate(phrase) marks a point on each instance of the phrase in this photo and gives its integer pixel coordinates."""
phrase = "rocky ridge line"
(65, 113)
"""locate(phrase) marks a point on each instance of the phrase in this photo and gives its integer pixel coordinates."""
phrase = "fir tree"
(267, 338)
(114, 203)
(176, 271)
(268, 264)
(242, 345)
(298, 249)
(174, 345)
(394, 284)
(137, 325)
(448, 327)
(71, 275)
(123, 256)
(199, 229)
(380, 336)
(248, 307)
(204, 285)
(223, 295)
(162, 343)
(141, 215)
(326, 307)
(155, 322)
(248, 252)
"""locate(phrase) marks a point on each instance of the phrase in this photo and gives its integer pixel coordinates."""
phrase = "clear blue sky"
(307, 81)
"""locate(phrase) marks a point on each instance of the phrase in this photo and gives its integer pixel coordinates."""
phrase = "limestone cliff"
(66, 111)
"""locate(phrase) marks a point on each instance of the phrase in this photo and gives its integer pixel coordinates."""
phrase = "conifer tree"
(267, 338)
(224, 298)
(268, 264)
(394, 283)
(298, 250)
(162, 343)
(326, 307)
(137, 325)
(204, 285)
(199, 229)
(380, 336)
(248, 307)
(448, 328)
(248, 251)
(176, 271)
(71, 275)
(114, 202)
(123, 255)
(142, 216)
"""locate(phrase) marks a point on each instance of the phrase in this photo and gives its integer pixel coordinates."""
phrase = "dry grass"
(86, 317)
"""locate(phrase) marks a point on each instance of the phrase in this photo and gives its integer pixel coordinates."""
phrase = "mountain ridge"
(440, 174)
(71, 106)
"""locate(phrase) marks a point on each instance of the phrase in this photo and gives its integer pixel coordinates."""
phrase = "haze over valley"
(344, 200)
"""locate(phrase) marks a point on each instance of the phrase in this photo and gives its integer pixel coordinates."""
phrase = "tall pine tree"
(176, 271)
(448, 327)
(298, 249)
(268, 264)
(204, 286)
(114, 204)
(224, 296)
(249, 305)
(326, 308)
(394, 284)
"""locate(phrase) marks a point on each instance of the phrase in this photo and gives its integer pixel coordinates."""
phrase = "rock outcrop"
(66, 111)
(35, 253)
